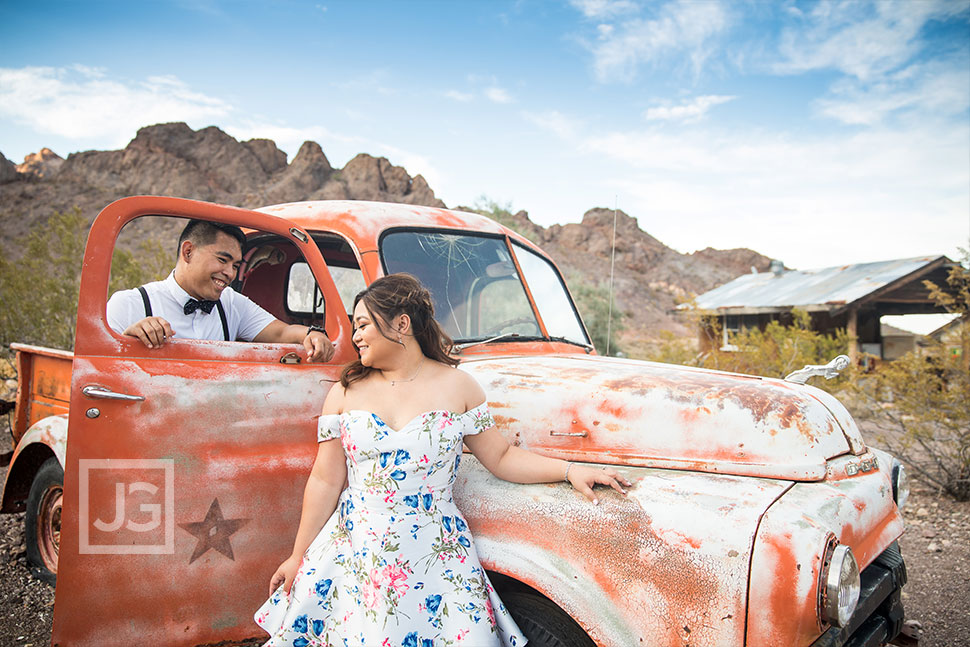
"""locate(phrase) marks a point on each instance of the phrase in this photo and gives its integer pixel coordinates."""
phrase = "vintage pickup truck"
(756, 502)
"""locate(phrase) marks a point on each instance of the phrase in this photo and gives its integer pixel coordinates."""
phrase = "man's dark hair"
(204, 232)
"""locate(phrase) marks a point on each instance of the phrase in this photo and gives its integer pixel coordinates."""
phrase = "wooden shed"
(850, 297)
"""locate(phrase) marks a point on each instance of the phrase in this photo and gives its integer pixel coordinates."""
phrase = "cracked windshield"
(477, 292)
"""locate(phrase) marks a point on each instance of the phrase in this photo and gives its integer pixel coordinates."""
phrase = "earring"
(400, 339)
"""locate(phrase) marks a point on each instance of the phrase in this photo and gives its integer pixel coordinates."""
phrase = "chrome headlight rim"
(841, 584)
(900, 484)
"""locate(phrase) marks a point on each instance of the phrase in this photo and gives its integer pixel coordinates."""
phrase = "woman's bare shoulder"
(471, 392)
(335, 399)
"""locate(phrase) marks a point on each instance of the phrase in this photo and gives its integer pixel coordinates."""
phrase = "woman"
(396, 565)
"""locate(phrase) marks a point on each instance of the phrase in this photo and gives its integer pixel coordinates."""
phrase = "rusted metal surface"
(238, 463)
(858, 510)
(665, 565)
(50, 433)
(655, 415)
(807, 288)
(43, 385)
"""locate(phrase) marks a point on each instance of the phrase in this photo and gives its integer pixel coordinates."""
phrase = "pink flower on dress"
(372, 588)
(491, 612)
(461, 635)
(396, 578)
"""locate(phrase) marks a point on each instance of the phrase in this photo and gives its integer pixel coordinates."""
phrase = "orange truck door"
(185, 464)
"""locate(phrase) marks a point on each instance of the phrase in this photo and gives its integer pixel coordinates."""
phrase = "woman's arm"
(323, 487)
(522, 466)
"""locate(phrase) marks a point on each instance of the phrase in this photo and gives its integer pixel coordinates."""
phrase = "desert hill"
(207, 164)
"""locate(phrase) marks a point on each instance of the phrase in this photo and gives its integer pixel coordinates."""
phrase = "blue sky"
(818, 133)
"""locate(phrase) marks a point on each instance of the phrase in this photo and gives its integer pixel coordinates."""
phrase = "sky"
(817, 133)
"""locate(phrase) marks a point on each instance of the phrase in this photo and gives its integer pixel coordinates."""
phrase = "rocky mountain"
(207, 164)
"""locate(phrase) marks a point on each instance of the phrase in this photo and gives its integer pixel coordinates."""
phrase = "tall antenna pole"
(609, 319)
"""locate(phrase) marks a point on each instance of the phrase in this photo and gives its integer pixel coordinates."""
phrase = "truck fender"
(45, 438)
(570, 589)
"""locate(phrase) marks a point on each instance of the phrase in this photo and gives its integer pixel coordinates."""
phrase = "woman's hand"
(284, 575)
(583, 478)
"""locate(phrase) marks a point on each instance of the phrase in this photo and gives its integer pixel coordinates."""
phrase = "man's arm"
(318, 347)
(126, 316)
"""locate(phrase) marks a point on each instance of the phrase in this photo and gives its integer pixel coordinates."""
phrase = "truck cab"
(758, 515)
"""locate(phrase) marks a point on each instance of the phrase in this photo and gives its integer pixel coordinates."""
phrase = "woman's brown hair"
(390, 296)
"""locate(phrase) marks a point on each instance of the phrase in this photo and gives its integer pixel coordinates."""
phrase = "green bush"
(39, 289)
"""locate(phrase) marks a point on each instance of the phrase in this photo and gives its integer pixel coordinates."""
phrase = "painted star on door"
(213, 532)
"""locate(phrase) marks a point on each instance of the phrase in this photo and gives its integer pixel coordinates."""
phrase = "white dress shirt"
(245, 318)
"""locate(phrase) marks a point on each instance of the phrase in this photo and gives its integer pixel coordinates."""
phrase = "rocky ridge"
(208, 164)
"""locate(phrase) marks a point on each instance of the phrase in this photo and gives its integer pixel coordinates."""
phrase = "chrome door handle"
(100, 392)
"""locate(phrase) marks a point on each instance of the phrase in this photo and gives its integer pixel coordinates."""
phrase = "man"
(196, 302)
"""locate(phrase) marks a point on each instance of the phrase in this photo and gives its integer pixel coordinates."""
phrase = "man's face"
(207, 270)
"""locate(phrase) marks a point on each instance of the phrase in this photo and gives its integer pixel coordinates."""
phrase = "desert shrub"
(775, 351)
(919, 405)
(39, 288)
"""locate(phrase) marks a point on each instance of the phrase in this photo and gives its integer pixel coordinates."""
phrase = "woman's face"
(371, 343)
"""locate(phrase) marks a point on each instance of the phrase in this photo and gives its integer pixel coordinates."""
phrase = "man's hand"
(318, 347)
(152, 331)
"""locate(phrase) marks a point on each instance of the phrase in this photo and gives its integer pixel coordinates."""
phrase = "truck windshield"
(477, 292)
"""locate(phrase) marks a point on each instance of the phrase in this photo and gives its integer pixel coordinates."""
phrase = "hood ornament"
(828, 371)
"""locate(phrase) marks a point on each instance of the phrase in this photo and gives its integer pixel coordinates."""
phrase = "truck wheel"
(544, 623)
(43, 521)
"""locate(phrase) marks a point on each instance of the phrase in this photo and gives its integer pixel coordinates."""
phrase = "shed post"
(852, 327)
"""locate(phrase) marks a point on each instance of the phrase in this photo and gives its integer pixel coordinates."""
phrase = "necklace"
(410, 379)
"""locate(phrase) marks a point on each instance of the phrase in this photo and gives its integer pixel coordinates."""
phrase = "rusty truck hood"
(629, 412)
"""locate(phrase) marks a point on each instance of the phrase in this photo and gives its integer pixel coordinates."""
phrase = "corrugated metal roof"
(830, 286)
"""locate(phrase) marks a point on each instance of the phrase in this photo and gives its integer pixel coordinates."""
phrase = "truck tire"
(43, 520)
(544, 623)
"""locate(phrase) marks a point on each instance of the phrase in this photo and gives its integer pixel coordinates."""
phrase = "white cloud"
(861, 39)
(80, 103)
(811, 201)
(463, 97)
(680, 28)
(938, 89)
(687, 111)
(604, 8)
(498, 95)
(555, 122)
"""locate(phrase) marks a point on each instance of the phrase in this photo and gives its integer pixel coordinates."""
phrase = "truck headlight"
(840, 577)
(900, 485)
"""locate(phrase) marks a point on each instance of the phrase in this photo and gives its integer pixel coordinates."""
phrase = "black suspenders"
(222, 311)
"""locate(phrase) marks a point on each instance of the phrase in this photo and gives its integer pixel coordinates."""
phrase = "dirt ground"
(936, 547)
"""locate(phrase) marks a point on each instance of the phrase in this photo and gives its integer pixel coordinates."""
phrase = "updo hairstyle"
(390, 296)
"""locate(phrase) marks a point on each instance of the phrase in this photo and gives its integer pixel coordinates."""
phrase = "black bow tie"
(204, 305)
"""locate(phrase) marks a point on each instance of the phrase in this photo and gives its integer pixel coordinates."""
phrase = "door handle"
(100, 392)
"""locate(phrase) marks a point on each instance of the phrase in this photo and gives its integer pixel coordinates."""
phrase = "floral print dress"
(395, 566)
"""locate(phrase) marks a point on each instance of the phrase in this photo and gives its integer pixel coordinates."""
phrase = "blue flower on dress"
(301, 642)
(349, 525)
(460, 524)
(323, 588)
(401, 456)
(384, 458)
(317, 627)
(426, 500)
(463, 540)
(399, 475)
(457, 461)
(301, 623)
(432, 602)
(410, 640)
(446, 522)
(411, 500)
(427, 642)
